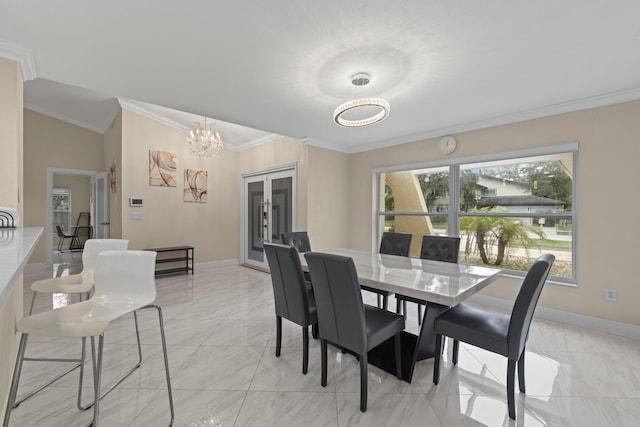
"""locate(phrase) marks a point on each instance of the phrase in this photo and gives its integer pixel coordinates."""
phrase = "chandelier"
(204, 142)
(379, 106)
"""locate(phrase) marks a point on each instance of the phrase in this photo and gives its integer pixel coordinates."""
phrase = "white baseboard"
(594, 323)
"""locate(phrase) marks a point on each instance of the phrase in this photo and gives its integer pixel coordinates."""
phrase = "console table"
(182, 255)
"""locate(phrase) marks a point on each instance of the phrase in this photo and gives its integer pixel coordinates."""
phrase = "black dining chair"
(435, 248)
(391, 244)
(497, 333)
(344, 320)
(294, 300)
(62, 236)
(300, 241)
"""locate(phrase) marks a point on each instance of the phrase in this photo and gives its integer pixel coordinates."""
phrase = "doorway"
(269, 208)
(93, 177)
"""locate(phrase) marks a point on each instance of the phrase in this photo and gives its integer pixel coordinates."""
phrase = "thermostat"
(135, 201)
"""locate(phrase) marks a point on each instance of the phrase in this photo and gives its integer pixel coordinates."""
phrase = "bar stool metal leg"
(15, 380)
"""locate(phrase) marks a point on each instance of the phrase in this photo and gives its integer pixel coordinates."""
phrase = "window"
(507, 211)
(61, 203)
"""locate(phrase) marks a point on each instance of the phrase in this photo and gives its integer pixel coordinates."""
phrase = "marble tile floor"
(220, 330)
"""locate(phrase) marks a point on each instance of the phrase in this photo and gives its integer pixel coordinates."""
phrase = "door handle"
(105, 223)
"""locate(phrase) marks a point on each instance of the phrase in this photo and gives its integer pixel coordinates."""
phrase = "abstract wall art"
(162, 168)
(195, 185)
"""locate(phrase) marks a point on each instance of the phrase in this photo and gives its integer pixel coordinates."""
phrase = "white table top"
(435, 281)
(16, 246)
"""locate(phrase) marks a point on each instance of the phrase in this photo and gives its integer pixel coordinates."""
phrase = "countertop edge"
(23, 245)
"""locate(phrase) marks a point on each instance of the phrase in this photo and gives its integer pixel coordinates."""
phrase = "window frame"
(455, 214)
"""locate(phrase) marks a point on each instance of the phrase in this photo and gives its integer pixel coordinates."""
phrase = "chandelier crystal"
(366, 104)
(204, 142)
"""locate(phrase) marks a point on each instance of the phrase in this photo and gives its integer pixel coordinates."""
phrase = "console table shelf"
(176, 254)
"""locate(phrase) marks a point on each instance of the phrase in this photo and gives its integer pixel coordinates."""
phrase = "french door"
(268, 210)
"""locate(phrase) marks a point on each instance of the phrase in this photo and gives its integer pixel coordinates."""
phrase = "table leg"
(413, 347)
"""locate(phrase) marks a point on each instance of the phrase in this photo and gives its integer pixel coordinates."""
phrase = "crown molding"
(64, 118)
(139, 109)
(23, 56)
(257, 141)
(552, 110)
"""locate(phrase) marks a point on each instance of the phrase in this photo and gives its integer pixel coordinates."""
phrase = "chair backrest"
(60, 233)
(297, 239)
(341, 318)
(395, 243)
(525, 304)
(92, 247)
(125, 278)
(440, 248)
(287, 280)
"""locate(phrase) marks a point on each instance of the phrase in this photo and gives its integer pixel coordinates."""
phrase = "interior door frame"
(100, 218)
(51, 172)
(244, 207)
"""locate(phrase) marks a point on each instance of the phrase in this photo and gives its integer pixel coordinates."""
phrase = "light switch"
(135, 216)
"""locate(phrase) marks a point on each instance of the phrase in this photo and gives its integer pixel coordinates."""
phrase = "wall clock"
(447, 145)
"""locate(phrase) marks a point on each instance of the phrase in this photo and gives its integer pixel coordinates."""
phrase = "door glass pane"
(61, 204)
(255, 194)
(281, 207)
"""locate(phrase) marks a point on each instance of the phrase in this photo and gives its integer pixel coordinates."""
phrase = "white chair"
(82, 284)
(124, 281)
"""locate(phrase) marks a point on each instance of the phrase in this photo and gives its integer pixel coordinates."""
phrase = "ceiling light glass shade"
(204, 142)
(379, 103)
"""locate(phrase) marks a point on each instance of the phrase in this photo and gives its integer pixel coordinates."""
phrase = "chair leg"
(97, 376)
(363, 382)
(456, 351)
(436, 359)
(521, 383)
(305, 349)
(15, 380)
(398, 357)
(323, 351)
(278, 335)
(314, 331)
(511, 373)
(113, 386)
(166, 362)
(33, 301)
(379, 297)
(385, 302)
(419, 314)
(399, 306)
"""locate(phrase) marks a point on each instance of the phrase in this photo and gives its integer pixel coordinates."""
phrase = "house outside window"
(507, 211)
(61, 204)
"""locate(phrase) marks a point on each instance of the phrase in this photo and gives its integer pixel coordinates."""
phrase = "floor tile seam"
(133, 420)
(253, 377)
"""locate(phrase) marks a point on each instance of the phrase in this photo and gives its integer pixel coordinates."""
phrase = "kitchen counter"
(16, 247)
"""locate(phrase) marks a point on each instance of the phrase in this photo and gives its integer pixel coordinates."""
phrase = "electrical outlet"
(135, 216)
(610, 294)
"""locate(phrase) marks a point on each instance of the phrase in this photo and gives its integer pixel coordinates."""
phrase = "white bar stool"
(81, 283)
(124, 281)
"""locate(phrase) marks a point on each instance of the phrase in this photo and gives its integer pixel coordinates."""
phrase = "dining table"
(440, 285)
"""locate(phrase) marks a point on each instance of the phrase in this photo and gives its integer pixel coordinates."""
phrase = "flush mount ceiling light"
(204, 142)
(376, 108)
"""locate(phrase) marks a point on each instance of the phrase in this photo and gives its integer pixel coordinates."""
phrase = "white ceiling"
(283, 66)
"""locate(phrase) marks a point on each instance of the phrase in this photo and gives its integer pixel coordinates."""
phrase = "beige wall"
(328, 198)
(211, 227)
(52, 143)
(11, 176)
(113, 153)
(609, 139)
